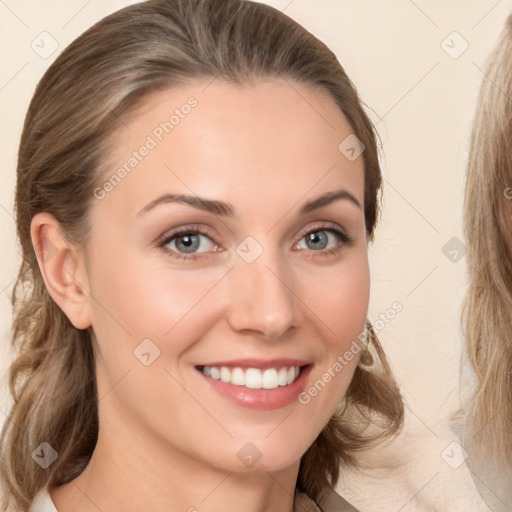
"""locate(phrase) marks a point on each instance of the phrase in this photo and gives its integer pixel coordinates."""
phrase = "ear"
(63, 269)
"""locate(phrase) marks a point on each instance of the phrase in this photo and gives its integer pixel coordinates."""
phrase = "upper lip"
(258, 363)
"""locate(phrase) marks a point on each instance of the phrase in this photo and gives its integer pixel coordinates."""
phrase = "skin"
(267, 149)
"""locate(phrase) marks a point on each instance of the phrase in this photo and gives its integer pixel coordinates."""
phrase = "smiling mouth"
(253, 378)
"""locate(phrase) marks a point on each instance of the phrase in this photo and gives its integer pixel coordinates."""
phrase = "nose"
(262, 299)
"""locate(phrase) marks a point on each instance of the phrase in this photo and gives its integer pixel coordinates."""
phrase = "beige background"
(422, 94)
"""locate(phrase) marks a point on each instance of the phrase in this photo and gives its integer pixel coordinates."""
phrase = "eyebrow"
(227, 210)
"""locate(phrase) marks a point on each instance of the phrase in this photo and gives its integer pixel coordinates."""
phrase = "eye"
(324, 239)
(186, 242)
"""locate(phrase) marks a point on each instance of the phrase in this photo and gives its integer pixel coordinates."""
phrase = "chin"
(269, 455)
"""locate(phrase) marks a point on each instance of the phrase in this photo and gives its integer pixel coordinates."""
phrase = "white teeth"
(238, 376)
(270, 378)
(225, 374)
(282, 377)
(254, 378)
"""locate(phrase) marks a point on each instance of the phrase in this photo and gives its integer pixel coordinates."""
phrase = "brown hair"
(81, 100)
(487, 311)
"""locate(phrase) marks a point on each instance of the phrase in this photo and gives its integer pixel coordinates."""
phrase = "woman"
(487, 319)
(237, 369)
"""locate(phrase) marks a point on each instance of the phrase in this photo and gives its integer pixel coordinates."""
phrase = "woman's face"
(227, 342)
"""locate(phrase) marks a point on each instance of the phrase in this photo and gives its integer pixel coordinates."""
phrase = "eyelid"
(189, 228)
(321, 225)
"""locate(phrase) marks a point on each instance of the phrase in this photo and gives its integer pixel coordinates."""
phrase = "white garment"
(42, 502)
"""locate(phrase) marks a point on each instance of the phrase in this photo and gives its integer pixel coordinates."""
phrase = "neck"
(132, 471)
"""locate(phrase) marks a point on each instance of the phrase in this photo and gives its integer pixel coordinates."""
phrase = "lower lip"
(261, 399)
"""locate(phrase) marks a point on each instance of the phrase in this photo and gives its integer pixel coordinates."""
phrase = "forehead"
(213, 138)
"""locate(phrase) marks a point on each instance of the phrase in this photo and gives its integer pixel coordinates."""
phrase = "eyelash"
(345, 240)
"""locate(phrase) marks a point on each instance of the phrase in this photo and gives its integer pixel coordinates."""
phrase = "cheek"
(137, 298)
(340, 298)
(340, 303)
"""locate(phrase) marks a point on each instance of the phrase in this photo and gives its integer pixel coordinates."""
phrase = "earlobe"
(63, 269)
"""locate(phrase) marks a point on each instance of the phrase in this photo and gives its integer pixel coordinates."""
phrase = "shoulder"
(331, 501)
